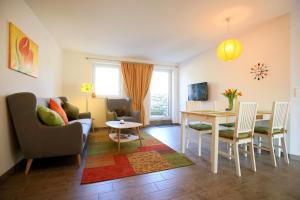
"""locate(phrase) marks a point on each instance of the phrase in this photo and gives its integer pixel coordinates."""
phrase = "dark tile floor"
(59, 178)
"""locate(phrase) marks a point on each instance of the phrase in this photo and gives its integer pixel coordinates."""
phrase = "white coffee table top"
(118, 125)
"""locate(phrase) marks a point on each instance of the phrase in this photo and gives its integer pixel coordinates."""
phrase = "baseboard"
(12, 170)
(294, 157)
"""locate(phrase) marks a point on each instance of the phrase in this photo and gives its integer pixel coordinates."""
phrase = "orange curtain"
(137, 77)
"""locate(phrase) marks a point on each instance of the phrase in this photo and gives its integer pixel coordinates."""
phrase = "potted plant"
(231, 95)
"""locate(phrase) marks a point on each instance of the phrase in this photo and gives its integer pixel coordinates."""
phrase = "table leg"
(93, 127)
(119, 134)
(214, 147)
(139, 134)
(183, 121)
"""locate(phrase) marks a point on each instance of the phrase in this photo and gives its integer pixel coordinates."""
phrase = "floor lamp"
(86, 88)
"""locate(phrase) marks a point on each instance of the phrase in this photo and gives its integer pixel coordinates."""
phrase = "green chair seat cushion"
(228, 125)
(227, 133)
(265, 130)
(200, 127)
(49, 117)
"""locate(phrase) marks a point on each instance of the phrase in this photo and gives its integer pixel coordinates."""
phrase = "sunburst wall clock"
(259, 71)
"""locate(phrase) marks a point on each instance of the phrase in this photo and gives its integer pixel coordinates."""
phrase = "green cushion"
(228, 125)
(111, 116)
(71, 111)
(200, 127)
(265, 130)
(49, 117)
(227, 133)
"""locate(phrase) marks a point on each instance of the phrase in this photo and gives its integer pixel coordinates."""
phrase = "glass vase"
(230, 104)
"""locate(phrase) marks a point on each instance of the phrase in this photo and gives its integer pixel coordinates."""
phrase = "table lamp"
(86, 88)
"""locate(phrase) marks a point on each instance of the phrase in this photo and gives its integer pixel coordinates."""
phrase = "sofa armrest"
(55, 141)
(85, 115)
(137, 115)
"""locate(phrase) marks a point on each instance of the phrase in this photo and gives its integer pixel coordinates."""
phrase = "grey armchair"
(123, 110)
(38, 140)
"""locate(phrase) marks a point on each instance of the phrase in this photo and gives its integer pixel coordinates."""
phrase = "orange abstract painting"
(23, 52)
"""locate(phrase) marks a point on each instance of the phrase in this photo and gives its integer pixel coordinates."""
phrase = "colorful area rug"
(104, 162)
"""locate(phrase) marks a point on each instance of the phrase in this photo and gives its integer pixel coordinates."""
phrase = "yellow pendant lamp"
(229, 49)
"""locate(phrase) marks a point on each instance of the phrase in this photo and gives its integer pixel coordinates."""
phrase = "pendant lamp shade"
(229, 50)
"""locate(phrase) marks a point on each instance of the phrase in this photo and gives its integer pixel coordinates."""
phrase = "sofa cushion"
(49, 117)
(57, 108)
(121, 112)
(71, 111)
(86, 126)
(111, 116)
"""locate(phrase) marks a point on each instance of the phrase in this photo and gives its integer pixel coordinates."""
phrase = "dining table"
(215, 118)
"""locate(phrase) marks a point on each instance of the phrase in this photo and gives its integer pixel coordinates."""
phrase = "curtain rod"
(117, 60)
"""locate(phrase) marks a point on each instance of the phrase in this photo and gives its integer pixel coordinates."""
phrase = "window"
(160, 94)
(107, 80)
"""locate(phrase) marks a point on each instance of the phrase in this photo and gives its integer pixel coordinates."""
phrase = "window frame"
(120, 81)
(170, 101)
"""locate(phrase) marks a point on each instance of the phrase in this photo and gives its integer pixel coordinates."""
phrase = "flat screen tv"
(198, 92)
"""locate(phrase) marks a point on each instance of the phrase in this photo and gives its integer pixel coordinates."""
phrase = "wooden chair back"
(246, 118)
(193, 105)
(279, 115)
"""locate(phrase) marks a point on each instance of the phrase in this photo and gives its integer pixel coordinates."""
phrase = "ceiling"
(156, 30)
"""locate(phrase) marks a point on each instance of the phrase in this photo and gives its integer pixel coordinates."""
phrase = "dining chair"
(275, 130)
(221, 106)
(242, 134)
(199, 127)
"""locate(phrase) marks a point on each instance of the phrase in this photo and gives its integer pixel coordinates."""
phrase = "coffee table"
(116, 137)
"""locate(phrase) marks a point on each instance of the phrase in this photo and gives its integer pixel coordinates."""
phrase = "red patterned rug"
(104, 162)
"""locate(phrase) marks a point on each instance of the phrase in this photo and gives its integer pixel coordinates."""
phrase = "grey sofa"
(113, 105)
(38, 140)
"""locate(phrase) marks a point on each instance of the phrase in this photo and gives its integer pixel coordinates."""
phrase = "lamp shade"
(229, 50)
(86, 87)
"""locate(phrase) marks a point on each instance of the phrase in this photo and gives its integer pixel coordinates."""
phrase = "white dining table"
(214, 118)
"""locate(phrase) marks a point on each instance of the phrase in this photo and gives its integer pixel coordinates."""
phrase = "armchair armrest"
(85, 115)
(137, 115)
(55, 141)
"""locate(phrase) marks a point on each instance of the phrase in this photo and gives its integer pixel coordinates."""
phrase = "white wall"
(77, 69)
(295, 81)
(269, 44)
(46, 85)
(275, 43)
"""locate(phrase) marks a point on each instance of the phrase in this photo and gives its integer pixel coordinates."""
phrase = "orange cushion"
(57, 108)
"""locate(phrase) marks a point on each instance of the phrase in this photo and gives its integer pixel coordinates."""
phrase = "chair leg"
(252, 156)
(278, 152)
(272, 153)
(237, 159)
(199, 145)
(187, 137)
(286, 156)
(259, 145)
(28, 165)
(78, 159)
(245, 149)
(229, 146)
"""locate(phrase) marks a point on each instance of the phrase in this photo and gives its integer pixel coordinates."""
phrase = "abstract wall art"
(23, 52)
